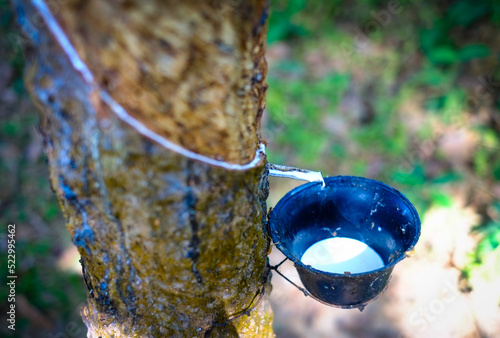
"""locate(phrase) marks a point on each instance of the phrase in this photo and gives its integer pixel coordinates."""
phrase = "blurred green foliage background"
(407, 94)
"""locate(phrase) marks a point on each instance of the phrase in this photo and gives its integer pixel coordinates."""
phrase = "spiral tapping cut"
(296, 173)
(120, 112)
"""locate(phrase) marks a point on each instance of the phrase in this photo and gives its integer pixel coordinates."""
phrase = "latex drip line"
(122, 115)
(119, 111)
(295, 173)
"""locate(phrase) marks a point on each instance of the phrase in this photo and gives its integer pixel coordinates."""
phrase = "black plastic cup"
(353, 207)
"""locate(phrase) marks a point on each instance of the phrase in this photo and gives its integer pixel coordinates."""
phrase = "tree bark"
(150, 113)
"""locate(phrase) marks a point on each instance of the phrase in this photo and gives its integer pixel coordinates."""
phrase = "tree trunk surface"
(150, 112)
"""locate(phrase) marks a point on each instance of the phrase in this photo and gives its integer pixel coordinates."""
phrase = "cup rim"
(347, 178)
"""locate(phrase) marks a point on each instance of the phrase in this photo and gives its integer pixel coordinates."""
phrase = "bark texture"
(170, 246)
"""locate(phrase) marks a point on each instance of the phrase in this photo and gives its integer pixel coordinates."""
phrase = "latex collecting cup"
(353, 208)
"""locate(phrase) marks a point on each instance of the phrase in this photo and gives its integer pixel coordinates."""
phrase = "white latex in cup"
(342, 255)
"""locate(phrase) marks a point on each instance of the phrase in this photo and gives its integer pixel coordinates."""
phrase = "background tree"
(150, 113)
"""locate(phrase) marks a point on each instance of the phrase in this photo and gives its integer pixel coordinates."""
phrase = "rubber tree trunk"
(150, 112)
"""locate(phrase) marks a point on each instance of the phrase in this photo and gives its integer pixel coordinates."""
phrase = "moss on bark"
(170, 246)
